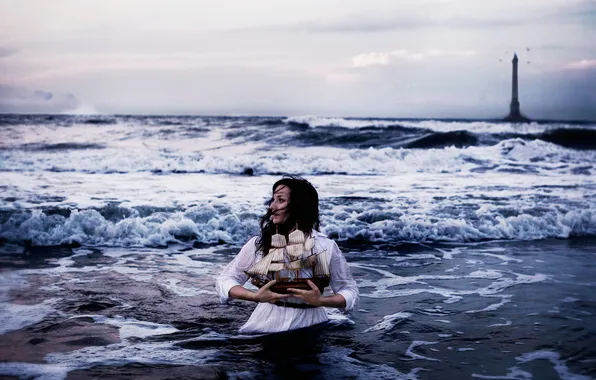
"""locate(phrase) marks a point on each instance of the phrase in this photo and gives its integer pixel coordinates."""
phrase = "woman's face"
(279, 205)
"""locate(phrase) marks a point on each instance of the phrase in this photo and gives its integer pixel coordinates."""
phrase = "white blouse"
(270, 318)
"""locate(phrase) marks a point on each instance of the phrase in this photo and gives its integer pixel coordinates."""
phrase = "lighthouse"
(514, 112)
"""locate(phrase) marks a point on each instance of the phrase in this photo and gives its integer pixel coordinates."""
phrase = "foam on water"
(558, 365)
(35, 371)
(317, 121)
(389, 321)
(121, 354)
(414, 356)
(348, 367)
(504, 299)
(514, 373)
(9, 281)
(381, 287)
(204, 223)
(130, 327)
(555, 359)
(476, 126)
(130, 351)
(15, 316)
(431, 125)
(507, 323)
(508, 155)
(89, 227)
(186, 290)
(146, 210)
(337, 318)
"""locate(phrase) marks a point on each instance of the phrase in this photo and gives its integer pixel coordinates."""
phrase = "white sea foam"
(432, 125)
(508, 155)
(551, 224)
(385, 288)
(513, 373)
(570, 299)
(204, 223)
(337, 318)
(508, 323)
(424, 206)
(35, 371)
(414, 356)
(389, 321)
(129, 327)
(488, 274)
(186, 290)
(15, 316)
(476, 126)
(8, 282)
(341, 365)
(122, 354)
(559, 366)
(91, 228)
(318, 121)
(504, 299)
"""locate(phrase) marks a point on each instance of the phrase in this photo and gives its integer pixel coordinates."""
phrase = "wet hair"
(303, 211)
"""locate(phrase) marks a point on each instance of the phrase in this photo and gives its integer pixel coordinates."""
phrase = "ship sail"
(291, 262)
(322, 264)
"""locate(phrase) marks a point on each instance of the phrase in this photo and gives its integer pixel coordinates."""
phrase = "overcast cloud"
(375, 58)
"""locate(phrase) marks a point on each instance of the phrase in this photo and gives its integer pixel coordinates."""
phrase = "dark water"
(506, 310)
(472, 243)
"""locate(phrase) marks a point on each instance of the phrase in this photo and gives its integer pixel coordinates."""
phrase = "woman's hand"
(312, 296)
(266, 295)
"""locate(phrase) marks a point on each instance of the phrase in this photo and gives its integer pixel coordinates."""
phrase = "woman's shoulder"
(251, 244)
(253, 241)
(322, 238)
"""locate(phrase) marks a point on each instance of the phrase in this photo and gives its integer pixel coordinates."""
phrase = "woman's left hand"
(312, 296)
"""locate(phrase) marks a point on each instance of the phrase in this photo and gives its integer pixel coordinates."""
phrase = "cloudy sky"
(369, 58)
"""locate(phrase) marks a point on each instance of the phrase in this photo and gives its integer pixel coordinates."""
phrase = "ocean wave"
(207, 223)
(571, 137)
(552, 224)
(214, 223)
(99, 120)
(515, 154)
(457, 139)
(62, 146)
(317, 121)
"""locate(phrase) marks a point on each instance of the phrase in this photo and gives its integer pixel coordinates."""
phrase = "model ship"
(292, 263)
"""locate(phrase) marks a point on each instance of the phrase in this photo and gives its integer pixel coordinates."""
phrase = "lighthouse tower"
(514, 112)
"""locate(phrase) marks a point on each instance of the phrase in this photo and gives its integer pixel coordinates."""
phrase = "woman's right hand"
(266, 295)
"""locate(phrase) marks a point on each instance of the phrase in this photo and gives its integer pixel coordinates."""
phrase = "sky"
(340, 58)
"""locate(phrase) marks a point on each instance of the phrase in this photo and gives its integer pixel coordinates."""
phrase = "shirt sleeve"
(342, 281)
(233, 273)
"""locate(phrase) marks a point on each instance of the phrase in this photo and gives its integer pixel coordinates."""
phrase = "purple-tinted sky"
(376, 58)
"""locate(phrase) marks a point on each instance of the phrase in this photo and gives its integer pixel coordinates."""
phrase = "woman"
(294, 207)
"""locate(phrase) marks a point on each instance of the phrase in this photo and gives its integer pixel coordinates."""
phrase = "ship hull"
(282, 285)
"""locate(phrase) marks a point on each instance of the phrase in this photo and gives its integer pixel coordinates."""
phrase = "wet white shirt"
(270, 318)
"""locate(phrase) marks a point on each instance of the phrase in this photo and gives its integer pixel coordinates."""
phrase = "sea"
(473, 243)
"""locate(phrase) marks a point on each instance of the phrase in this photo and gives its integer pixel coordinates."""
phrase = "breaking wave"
(216, 223)
(514, 154)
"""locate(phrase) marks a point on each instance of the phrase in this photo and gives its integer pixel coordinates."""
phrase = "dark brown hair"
(303, 211)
